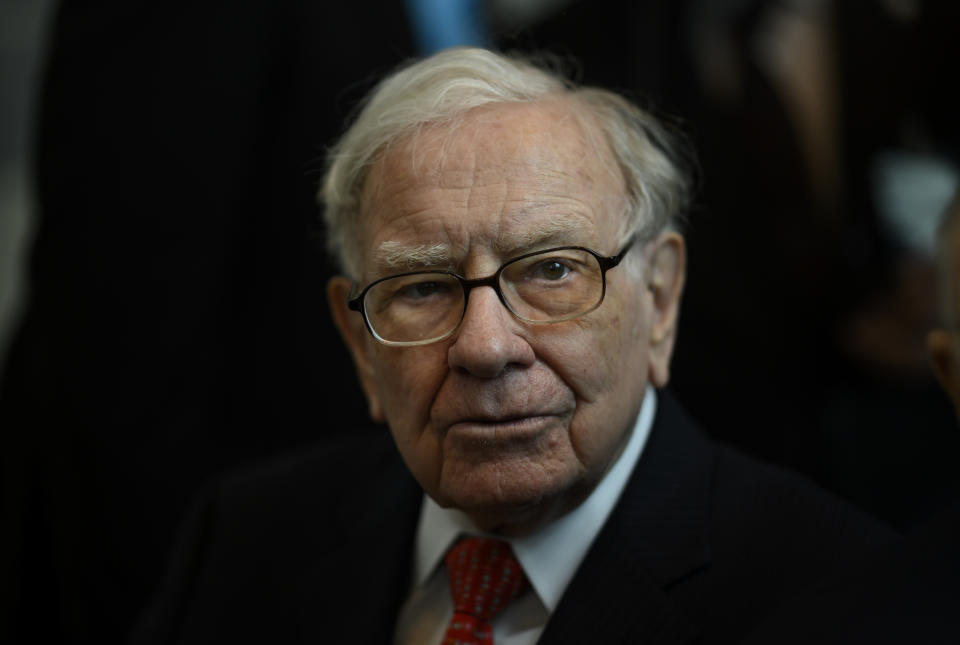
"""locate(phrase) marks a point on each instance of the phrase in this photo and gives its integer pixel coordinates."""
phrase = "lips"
(504, 418)
(507, 422)
(512, 430)
(517, 400)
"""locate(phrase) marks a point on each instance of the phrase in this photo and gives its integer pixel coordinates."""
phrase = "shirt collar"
(551, 556)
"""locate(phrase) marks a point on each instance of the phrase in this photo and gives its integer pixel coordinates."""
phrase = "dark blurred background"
(162, 308)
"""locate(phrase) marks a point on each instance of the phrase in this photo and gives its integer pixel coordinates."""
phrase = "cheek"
(601, 352)
(408, 380)
(609, 382)
(629, 324)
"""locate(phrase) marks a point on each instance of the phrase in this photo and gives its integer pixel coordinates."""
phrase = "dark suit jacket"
(702, 544)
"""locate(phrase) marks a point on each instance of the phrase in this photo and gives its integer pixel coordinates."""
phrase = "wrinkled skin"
(511, 422)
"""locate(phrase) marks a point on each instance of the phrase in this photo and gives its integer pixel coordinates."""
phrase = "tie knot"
(485, 576)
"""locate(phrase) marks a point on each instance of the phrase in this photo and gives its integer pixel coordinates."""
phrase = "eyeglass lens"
(551, 286)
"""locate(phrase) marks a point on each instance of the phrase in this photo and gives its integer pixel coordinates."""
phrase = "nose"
(488, 340)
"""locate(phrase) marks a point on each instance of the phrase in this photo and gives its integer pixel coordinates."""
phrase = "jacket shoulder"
(327, 465)
(767, 505)
(256, 541)
(768, 534)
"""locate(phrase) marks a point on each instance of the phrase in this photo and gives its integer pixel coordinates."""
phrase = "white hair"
(444, 87)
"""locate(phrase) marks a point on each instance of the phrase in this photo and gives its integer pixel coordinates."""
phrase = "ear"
(666, 272)
(358, 341)
(943, 350)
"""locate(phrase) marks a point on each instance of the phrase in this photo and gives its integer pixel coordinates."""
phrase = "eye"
(422, 290)
(550, 270)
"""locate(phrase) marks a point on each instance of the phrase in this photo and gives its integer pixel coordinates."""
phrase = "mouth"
(506, 428)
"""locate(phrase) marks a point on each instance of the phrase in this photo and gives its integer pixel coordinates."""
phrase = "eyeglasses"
(550, 286)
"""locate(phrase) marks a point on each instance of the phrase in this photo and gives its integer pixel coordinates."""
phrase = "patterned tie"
(484, 578)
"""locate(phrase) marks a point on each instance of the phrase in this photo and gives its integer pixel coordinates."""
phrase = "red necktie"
(484, 578)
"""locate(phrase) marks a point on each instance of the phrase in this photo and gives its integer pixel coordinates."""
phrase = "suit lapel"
(353, 591)
(656, 535)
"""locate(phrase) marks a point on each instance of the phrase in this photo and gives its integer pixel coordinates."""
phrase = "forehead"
(500, 180)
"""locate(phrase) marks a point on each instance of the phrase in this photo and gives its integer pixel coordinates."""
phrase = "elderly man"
(513, 270)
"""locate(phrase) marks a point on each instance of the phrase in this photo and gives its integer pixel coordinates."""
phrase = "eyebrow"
(555, 232)
(392, 256)
(396, 256)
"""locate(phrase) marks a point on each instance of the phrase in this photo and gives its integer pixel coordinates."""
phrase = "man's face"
(509, 421)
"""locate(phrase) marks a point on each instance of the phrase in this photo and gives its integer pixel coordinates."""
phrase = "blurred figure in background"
(901, 155)
(911, 593)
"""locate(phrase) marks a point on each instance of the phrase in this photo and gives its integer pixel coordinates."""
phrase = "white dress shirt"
(549, 557)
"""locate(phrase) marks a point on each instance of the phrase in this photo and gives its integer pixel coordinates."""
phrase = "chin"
(497, 497)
